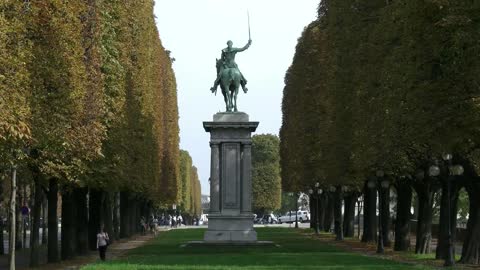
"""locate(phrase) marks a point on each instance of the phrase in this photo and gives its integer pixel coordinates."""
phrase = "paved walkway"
(115, 250)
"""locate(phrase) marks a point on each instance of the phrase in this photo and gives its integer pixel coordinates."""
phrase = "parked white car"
(303, 216)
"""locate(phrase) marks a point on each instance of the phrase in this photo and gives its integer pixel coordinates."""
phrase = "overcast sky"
(197, 30)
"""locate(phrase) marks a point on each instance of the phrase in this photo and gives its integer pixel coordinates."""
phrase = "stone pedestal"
(230, 218)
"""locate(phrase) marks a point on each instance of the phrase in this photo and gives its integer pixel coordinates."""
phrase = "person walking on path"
(143, 225)
(180, 220)
(151, 225)
(102, 243)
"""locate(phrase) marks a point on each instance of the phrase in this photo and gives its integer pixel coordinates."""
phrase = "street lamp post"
(359, 209)
(296, 211)
(380, 183)
(316, 194)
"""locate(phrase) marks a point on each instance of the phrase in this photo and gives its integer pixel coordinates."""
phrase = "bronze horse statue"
(230, 79)
(229, 76)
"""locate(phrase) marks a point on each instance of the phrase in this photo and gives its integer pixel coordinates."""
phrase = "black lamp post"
(315, 193)
(380, 183)
(296, 211)
(359, 207)
(338, 218)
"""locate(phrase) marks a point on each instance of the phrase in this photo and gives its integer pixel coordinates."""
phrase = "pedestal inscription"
(230, 218)
(231, 175)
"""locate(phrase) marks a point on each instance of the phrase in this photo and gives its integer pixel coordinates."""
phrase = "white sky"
(197, 30)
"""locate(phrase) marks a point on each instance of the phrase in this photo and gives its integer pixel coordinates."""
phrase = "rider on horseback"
(228, 61)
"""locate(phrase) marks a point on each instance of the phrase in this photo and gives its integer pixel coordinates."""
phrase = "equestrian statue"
(229, 76)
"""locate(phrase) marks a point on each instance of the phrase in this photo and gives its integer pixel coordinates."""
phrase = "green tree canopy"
(15, 53)
(266, 182)
(88, 87)
(379, 85)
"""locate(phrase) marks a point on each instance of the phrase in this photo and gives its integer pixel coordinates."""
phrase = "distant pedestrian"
(151, 224)
(102, 243)
(174, 222)
(180, 220)
(155, 224)
(143, 225)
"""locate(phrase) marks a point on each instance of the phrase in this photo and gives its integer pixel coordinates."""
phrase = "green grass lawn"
(427, 256)
(296, 251)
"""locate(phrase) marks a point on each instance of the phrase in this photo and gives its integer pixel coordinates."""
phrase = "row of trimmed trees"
(387, 88)
(191, 189)
(88, 110)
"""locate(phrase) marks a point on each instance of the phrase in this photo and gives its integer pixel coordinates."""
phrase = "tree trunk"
(13, 212)
(385, 210)
(108, 215)
(95, 220)
(313, 211)
(116, 216)
(69, 230)
(34, 232)
(322, 204)
(25, 218)
(425, 192)
(337, 209)
(44, 220)
(138, 215)
(2, 227)
(80, 200)
(442, 246)
(132, 214)
(402, 222)
(145, 209)
(124, 215)
(369, 215)
(349, 214)
(18, 221)
(52, 254)
(471, 245)
(328, 219)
